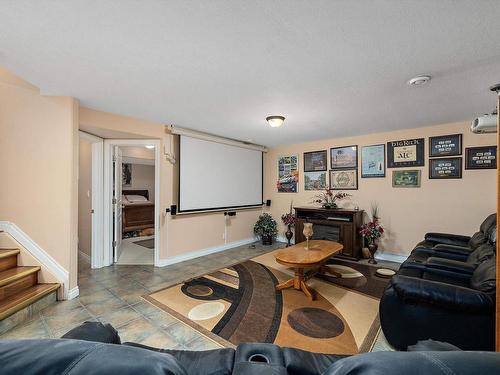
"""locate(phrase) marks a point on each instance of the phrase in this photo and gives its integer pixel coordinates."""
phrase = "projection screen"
(216, 176)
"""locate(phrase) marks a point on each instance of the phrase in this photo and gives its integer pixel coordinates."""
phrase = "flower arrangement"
(372, 230)
(289, 219)
(328, 199)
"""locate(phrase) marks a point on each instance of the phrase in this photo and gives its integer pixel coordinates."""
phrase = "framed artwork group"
(445, 162)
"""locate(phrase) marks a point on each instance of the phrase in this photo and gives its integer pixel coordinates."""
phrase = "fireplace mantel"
(347, 221)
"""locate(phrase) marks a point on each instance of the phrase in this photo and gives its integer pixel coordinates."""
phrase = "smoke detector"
(419, 80)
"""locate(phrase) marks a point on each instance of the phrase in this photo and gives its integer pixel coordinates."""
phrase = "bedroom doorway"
(131, 196)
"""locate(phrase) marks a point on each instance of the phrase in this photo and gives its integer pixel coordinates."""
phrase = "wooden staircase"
(19, 285)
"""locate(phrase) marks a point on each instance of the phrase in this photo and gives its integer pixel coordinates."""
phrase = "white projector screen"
(216, 176)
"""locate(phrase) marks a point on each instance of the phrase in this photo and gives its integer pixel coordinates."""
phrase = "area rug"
(240, 304)
(149, 243)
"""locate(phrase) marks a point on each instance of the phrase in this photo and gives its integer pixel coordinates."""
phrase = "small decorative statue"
(308, 233)
(372, 231)
(289, 220)
(327, 199)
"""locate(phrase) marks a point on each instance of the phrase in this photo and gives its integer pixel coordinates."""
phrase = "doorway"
(131, 202)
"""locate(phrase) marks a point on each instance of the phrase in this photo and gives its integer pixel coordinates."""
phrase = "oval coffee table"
(300, 259)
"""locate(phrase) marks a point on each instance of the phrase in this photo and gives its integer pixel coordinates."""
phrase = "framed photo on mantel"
(405, 153)
(445, 145)
(445, 168)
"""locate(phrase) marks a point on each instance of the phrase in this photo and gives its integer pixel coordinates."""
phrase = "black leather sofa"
(79, 357)
(454, 246)
(444, 292)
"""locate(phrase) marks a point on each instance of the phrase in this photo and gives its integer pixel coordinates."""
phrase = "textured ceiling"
(333, 68)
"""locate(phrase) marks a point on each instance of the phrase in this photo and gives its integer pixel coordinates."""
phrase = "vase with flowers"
(289, 219)
(372, 231)
(328, 199)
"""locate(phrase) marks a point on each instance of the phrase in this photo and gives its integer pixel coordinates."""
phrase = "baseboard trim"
(203, 252)
(85, 257)
(73, 293)
(390, 257)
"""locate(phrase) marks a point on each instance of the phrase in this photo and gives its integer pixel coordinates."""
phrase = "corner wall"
(38, 147)
(454, 206)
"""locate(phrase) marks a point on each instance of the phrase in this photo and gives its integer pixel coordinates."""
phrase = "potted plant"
(327, 199)
(289, 220)
(267, 228)
(372, 231)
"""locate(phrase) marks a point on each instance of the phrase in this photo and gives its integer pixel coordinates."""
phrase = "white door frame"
(107, 252)
(97, 243)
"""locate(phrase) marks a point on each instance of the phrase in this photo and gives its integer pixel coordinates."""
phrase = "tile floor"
(133, 254)
(113, 295)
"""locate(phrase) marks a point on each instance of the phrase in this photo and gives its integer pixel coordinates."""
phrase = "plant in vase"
(372, 231)
(267, 228)
(289, 219)
(328, 199)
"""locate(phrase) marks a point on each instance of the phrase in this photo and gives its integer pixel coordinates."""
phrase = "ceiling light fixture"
(275, 121)
(419, 80)
(150, 146)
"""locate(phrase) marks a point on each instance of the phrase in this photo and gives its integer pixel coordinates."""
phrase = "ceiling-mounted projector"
(485, 124)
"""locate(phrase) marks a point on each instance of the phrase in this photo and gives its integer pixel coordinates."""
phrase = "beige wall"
(85, 197)
(456, 206)
(183, 233)
(38, 153)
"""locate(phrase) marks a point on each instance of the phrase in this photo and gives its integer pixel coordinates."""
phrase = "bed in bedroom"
(138, 211)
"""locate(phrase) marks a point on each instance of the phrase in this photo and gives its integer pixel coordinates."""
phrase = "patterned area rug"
(240, 304)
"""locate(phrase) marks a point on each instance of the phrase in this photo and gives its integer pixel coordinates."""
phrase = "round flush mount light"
(419, 80)
(275, 121)
(150, 146)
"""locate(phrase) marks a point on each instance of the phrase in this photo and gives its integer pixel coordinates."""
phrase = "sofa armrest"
(446, 238)
(445, 251)
(445, 296)
(450, 265)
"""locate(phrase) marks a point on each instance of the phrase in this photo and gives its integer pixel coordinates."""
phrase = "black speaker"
(173, 209)
(268, 203)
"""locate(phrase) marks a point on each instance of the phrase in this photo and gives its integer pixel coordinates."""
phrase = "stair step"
(25, 298)
(8, 258)
(13, 274)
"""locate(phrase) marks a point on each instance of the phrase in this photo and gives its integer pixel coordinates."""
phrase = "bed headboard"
(144, 193)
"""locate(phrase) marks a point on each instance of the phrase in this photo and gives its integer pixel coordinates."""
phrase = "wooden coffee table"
(300, 259)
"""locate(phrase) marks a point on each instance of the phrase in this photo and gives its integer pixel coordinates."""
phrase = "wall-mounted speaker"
(173, 209)
(268, 203)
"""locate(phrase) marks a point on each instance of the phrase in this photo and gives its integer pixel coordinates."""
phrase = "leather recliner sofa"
(78, 357)
(444, 300)
(454, 246)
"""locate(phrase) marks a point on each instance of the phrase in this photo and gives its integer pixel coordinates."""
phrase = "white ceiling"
(333, 68)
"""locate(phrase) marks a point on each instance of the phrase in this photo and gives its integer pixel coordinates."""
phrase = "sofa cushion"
(478, 239)
(482, 253)
(488, 223)
(484, 276)
(301, 362)
(432, 345)
(94, 331)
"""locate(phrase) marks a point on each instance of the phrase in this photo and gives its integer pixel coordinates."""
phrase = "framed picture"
(288, 174)
(314, 180)
(344, 157)
(346, 179)
(484, 157)
(405, 153)
(445, 145)
(126, 174)
(445, 168)
(315, 161)
(373, 161)
(406, 179)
